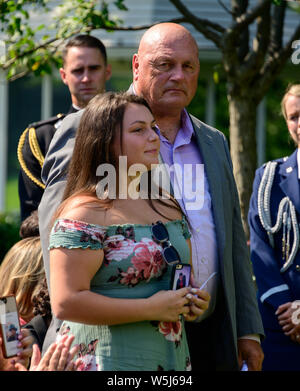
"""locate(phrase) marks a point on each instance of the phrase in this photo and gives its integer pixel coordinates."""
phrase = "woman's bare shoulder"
(85, 208)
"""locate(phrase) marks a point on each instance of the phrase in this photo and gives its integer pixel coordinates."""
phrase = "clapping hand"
(58, 357)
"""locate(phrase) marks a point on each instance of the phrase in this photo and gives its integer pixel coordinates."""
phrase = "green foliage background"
(9, 232)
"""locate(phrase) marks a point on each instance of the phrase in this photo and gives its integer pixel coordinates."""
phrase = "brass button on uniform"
(298, 268)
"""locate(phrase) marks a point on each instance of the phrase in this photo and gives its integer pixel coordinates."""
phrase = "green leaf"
(216, 77)
(11, 72)
(120, 4)
(25, 13)
(40, 27)
(74, 16)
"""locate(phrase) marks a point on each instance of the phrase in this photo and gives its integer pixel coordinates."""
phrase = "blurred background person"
(274, 216)
(30, 226)
(21, 274)
(39, 324)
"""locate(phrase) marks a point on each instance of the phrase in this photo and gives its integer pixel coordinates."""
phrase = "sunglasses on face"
(161, 236)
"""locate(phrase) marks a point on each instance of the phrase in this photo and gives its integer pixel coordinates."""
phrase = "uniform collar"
(289, 165)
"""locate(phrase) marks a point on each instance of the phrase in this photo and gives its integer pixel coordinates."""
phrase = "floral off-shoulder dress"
(133, 267)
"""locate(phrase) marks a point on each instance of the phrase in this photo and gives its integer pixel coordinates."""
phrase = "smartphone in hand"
(9, 325)
(181, 275)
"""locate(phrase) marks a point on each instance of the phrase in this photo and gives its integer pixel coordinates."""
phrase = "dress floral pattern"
(147, 262)
(133, 267)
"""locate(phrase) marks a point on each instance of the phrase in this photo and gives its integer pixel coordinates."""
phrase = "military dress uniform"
(32, 148)
(274, 216)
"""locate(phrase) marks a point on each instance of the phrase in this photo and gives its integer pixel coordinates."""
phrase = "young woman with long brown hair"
(109, 272)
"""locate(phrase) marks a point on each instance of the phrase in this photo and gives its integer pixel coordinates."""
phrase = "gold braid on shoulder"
(36, 151)
(34, 146)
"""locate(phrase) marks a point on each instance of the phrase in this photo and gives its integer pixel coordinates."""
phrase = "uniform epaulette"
(34, 145)
(279, 160)
(49, 121)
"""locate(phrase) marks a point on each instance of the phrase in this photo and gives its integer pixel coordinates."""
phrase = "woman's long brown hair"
(99, 125)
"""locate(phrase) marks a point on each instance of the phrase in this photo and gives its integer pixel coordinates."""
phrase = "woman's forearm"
(91, 308)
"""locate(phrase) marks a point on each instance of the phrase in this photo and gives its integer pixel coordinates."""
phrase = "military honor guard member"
(85, 72)
(274, 217)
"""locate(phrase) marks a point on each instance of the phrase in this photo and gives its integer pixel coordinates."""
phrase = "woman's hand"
(198, 303)
(58, 357)
(167, 306)
(25, 346)
(198, 300)
(22, 357)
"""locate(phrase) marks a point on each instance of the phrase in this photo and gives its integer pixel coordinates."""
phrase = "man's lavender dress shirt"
(188, 180)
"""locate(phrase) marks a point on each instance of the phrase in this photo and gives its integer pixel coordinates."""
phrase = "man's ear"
(63, 75)
(108, 72)
(135, 66)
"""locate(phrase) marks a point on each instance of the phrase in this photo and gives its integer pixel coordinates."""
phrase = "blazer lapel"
(209, 156)
(290, 182)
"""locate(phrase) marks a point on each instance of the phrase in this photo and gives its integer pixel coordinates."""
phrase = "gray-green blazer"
(241, 316)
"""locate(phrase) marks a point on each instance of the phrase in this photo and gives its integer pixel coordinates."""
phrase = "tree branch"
(19, 75)
(204, 26)
(225, 8)
(88, 29)
(262, 39)
(8, 63)
(277, 28)
(267, 41)
(276, 63)
(239, 7)
(232, 39)
(247, 18)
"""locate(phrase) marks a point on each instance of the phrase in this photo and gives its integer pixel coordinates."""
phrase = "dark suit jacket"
(30, 193)
(240, 316)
